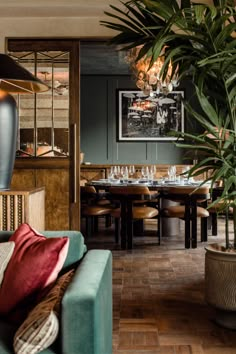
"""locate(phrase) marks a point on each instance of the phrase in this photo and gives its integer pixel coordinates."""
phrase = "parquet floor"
(158, 297)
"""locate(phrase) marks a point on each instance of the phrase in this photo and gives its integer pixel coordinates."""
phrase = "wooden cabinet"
(22, 206)
(54, 177)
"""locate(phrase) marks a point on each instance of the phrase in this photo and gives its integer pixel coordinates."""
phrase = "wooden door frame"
(72, 46)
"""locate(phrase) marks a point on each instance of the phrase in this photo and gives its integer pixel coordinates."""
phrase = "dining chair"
(93, 206)
(216, 209)
(130, 210)
(193, 204)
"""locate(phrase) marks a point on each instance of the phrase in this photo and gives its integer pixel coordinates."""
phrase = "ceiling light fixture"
(150, 77)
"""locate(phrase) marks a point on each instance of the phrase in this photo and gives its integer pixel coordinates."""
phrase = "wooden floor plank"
(158, 297)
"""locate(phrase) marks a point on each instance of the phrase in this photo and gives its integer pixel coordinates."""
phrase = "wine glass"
(111, 173)
(152, 172)
(115, 172)
(185, 171)
(171, 172)
(131, 171)
(125, 173)
(121, 172)
(143, 171)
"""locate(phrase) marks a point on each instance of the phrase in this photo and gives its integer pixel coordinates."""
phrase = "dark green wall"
(98, 126)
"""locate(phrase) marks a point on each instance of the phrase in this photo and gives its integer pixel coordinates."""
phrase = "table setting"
(126, 175)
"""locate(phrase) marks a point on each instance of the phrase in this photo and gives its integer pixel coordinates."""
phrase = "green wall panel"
(99, 126)
(94, 134)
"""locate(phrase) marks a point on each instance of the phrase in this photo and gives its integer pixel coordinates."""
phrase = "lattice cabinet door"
(18, 207)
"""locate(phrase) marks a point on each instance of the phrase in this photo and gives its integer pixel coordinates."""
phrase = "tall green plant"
(200, 40)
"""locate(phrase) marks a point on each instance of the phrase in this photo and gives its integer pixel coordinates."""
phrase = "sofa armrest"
(86, 321)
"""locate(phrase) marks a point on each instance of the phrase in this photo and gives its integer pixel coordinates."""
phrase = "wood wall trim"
(42, 163)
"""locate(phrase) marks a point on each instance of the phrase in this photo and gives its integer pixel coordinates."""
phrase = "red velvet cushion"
(35, 263)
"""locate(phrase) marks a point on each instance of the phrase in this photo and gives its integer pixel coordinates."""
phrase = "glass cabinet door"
(44, 117)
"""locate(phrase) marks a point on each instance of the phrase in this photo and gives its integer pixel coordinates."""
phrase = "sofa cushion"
(6, 250)
(41, 327)
(77, 248)
(35, 263)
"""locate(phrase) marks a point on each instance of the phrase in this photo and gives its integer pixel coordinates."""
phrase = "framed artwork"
(151, 117)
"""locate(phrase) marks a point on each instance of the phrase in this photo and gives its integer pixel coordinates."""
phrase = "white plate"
(100, 181)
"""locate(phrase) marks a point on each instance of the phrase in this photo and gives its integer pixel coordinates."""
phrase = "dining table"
(161, 193)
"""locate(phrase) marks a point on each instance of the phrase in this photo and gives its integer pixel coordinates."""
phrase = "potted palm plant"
(198, 40)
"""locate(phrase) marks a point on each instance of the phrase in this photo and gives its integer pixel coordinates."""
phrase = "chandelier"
(149, 79)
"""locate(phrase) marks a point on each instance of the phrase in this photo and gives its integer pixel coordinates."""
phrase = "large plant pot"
(220, 284)
(8, 138)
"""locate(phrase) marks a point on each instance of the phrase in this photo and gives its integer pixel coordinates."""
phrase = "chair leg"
(108, 220)
(88, 226)
(204, 229)
(139, 227)
(95, 223)
(117, 230)
(214, 224)
(129, 226)
(187, 226)
(159, 229)
(194, 231)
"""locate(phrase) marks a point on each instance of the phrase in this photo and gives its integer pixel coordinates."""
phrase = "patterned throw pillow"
(41, 327)
(6, 250)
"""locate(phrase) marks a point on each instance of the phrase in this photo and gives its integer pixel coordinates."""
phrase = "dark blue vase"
(8, 138)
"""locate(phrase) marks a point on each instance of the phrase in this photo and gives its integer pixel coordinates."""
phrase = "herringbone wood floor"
(158, 297)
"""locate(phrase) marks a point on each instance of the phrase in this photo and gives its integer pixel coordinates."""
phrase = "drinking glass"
(171, 172)
(125, 173)
(152, 171)
(111, 173)
(115, 172)
(131, 171)
(122, 172)
(185, 171)
(145, 172)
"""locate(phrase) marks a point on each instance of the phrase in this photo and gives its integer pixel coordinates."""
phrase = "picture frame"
(143, 117)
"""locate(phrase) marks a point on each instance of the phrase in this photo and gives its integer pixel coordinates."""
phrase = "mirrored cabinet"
(44, 118)
(48, 147)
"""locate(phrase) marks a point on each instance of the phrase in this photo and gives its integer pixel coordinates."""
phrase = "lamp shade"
(16, 79)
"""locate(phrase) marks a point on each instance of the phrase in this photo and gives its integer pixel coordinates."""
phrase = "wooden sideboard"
(54, 177)
(22, 206)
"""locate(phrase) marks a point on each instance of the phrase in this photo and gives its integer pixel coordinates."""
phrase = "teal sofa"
(86, 318)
